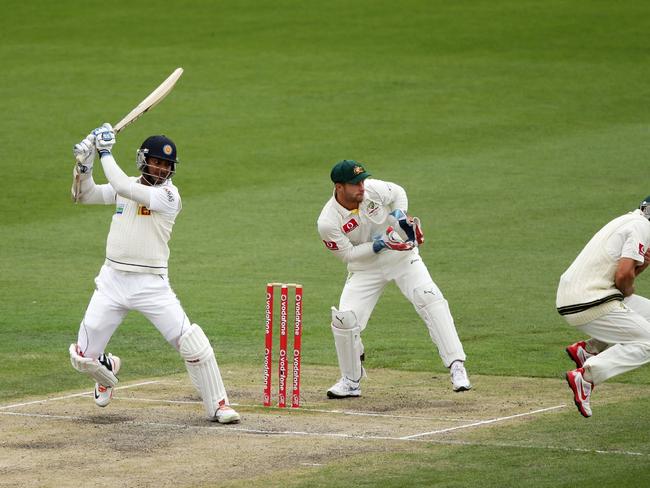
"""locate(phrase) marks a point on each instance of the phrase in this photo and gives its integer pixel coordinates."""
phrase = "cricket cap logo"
(348, 171)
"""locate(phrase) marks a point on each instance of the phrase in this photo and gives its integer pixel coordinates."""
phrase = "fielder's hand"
(411, 227)
(391, 240)
(84, 153)
(104, 138)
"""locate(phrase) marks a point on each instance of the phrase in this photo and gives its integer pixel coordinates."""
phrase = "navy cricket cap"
(348, 171)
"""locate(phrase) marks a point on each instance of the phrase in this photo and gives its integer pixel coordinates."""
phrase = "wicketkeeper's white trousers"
(363, 289)
(626, 331)
(118, 292)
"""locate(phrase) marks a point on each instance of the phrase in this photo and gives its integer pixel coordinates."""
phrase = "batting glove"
(84, 153)
(104, 138)
(391, 240)
(410, 225)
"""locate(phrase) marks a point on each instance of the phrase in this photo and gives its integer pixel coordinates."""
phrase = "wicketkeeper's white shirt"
(349, 234)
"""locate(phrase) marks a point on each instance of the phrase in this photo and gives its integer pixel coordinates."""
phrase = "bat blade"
(153, 99)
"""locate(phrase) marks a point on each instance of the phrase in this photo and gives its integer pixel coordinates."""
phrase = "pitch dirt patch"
(154, 434)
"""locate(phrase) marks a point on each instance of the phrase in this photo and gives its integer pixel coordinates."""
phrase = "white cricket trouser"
(627, 331)
(363, 289)
(118, 292)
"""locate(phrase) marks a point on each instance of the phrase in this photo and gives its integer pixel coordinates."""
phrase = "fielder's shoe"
(345, 388)
(459, 379)
(226, 414)
(103, 394)
(578, 353)
(581, 390)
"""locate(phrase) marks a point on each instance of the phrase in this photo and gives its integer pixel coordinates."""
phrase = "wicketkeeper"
(134, 275)
(366, 225)
(596, 295)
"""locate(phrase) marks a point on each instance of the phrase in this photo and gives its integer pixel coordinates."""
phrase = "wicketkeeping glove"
(104, 138)
(411, 227)
(84, 153)
(391, 240)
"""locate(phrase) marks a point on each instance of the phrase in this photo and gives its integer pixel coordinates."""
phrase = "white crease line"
(234, 430)
(301, 409)
(74, 395)
(482, 422)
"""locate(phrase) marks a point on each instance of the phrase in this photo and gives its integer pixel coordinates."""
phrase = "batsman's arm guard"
(92, 367)
(347, 339)
(202, 367)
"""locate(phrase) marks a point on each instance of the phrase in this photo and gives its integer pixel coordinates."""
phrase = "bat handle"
(77, 182)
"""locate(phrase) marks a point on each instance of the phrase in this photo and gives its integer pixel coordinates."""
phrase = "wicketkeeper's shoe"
(459, 379)
(578, 353)
(581, 390)
(226, 414)
(345, 388)
(103, 394)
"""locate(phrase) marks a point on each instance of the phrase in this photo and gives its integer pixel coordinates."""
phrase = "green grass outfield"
(517, 127)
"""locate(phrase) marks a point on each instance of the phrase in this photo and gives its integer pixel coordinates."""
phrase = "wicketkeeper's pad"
(347, 339)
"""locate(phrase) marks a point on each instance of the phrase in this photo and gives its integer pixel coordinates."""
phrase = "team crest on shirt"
(349, 226)
(119, 210)
(372, 207)
(142, 210)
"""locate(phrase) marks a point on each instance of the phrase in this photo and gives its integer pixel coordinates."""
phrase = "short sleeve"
(635, 244)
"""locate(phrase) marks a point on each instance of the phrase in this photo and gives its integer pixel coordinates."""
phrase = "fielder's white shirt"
(587, 288)
(349, 234)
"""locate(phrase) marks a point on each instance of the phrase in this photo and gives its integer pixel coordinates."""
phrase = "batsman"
(134, 275)
(366, 225)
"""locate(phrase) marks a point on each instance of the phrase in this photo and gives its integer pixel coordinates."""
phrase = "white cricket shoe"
(344, 388)
(103, 394)
(459, 379)
(226, 414)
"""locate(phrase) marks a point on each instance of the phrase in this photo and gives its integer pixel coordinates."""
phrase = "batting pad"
(92, 367)
(347, 339)
(434, 310)
(202, 367)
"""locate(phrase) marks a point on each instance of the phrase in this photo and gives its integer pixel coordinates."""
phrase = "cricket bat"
(153, 99)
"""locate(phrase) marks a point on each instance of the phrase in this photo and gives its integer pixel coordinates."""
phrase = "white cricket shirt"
(349, 234)
(587, 288)
(139, 234)
(143, 220)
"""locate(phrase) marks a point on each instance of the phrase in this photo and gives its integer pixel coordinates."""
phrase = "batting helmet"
(161, 147)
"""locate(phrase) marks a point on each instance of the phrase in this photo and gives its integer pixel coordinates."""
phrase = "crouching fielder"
(366, 226)
(134, 275)
(596, 295)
